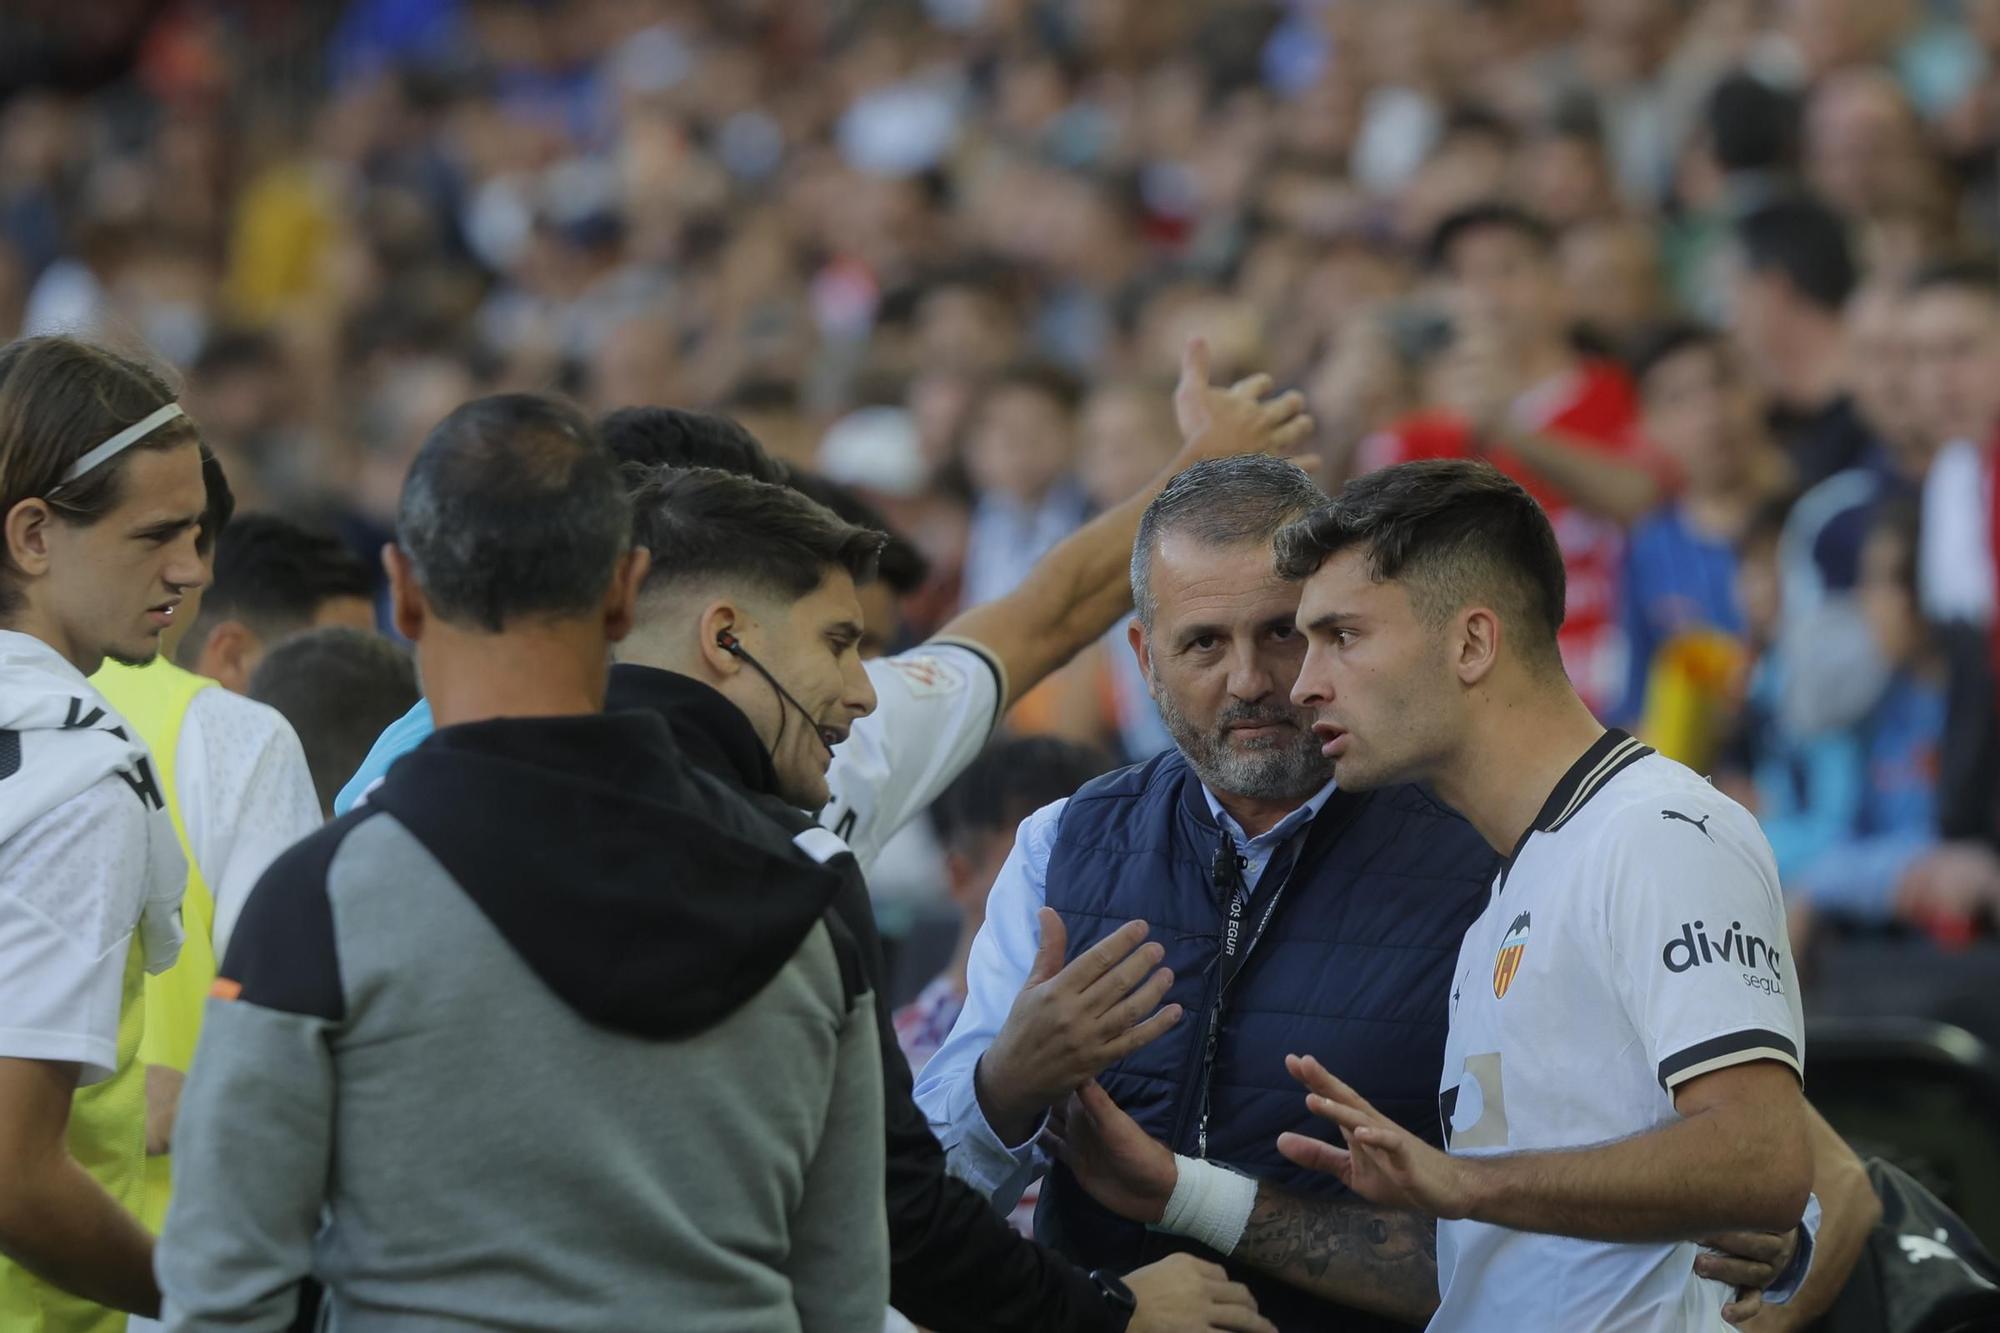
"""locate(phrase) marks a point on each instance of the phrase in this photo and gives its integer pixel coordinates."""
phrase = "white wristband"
(1210, 1204)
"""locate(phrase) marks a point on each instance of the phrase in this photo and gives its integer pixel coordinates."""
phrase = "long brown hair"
(59, 399)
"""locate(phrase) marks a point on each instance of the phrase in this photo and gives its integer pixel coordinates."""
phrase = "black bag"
(1923, 1270)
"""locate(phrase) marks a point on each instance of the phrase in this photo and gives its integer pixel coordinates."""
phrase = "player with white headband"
(101, 497)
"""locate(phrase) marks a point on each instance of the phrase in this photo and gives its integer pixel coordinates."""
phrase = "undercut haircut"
(707, 525)
(901, 565)
(514, 509)
(1454, 533)
(674, 437)
(274, 575)
(1219, 502)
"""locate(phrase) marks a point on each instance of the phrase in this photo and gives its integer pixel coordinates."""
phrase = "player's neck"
(1514, 757)
(29, 620)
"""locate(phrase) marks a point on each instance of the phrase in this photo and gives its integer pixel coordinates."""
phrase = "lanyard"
(1227, 872)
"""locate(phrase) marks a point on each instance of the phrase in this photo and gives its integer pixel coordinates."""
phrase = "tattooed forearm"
(1345, 1250)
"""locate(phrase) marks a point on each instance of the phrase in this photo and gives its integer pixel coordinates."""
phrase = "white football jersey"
(1635, 940)
(935, 708)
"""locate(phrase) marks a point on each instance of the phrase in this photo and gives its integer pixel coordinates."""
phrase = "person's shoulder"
(1122, 784)
(229, 719)
(102, 815)
(1659, 804)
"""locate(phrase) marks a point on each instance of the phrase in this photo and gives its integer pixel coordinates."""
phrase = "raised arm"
(1080, 588)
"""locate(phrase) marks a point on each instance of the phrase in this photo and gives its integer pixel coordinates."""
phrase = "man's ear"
(1476, 645)
(1142, 650)
(228, 654)
(621, 599)
(407, 608)
(27, 530)
(720, 622)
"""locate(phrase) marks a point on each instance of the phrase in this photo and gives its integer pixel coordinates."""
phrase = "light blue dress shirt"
(1003, 955)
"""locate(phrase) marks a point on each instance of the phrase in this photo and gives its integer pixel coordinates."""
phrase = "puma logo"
(1701, 823)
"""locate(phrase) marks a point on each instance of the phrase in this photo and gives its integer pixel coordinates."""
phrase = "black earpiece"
(729, 643)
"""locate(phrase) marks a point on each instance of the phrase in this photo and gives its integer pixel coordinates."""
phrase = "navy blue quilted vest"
(1354, 967)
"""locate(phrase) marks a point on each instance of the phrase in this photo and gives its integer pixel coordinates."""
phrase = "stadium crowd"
(921, 313)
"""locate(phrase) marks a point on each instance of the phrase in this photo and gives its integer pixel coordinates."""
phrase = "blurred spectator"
(339, 688)
(1797, 273)
(1020, 453)
(1613, 283)
(1894, 750)
(1682, 620)
(1954, 332)
(1509, 385)
(842, 226)
(1803, 789)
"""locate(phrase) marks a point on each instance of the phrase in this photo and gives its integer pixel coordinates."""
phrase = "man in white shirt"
(101, 497)
(1623, 1067)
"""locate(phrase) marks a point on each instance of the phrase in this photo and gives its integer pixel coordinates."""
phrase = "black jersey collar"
(1612, 754)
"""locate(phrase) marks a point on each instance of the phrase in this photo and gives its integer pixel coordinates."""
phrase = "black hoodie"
(954, 1264)
(665, 905)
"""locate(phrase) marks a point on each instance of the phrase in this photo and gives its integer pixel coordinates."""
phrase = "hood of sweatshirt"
(645, 895)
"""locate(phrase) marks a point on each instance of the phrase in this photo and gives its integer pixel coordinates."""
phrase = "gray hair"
(1220, 502)
(513, 508)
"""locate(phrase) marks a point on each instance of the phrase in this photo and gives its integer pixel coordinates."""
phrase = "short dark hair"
(1806, 242)
(1976, 277)
(1491, 214)
(339, 688)
(1662, 342)
(1751, 125)
(674, 437)
(1450, 530)
(1011, 779)
(901, 565)
(1219, 502)
(513, 508)
(1043, 377)
(703, 523)
(221, 506)
(274, 575)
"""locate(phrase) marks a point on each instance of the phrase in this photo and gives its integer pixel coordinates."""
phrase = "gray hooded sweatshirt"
(552, 1034)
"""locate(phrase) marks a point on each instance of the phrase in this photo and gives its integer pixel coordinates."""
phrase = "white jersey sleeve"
(1697, 923)
(72, 886)
(246, 795)
(936, 706)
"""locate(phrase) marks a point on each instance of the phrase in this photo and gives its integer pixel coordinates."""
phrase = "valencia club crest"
(1508, 961)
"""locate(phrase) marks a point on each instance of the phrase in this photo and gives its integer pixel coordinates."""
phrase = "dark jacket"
(954, 1263)
(1353, 964)
(513, 1024)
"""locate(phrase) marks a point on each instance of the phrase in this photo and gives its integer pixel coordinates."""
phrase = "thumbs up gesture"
(1070, 1022)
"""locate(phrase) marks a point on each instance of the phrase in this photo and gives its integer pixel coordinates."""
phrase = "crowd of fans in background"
(1715, 278)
